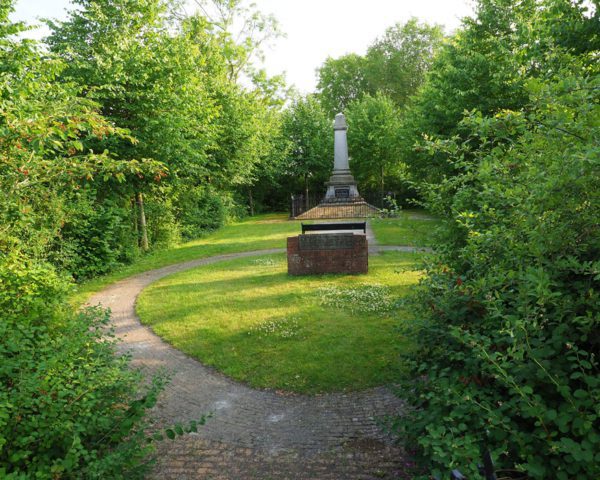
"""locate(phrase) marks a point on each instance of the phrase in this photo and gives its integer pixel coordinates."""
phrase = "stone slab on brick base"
(327, 253)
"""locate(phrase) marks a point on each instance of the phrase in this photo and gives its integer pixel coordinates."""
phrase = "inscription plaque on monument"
(342, 193)
(332, 241)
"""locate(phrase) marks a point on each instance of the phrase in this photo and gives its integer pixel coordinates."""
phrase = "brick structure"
(327, 253)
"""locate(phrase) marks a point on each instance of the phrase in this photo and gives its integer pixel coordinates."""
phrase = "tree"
(308, 142)
(341, 81)
(394, 65)
(475, 70)
(53, 155)
(156, 84)
(244, 32)
(373, 141)
(397, 62)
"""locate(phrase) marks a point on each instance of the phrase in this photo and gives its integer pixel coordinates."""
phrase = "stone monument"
(342, 199)
(341, 185)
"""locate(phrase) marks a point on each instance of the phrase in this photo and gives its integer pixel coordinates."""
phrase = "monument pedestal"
(328, 253)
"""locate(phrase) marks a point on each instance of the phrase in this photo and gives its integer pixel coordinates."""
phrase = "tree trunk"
(251, 202)
(382, 185)
(306, 202)
(134, 219)
(142, 222)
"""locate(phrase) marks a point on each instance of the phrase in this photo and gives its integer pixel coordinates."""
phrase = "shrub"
(201, 210)
(510, 306)
(95, 237)
(69, 407)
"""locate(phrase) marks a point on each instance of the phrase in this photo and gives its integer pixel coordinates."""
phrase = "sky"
(315, 29)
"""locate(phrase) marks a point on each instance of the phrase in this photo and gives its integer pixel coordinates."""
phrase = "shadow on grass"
(263, 327)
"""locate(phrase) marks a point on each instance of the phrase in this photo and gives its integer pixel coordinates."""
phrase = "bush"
(164, 230)
(96, 236)
(201, 210)
(69, 407)
(510, 306)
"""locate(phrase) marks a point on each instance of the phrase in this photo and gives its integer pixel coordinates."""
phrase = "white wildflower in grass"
(264, 262)
(372, 298)
(280, 328)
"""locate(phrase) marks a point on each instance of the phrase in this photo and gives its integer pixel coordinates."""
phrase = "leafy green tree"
(374, 145)
(397, 62)
(244, 32)
(480, 68)
(341, 81)
(394, 65)
(53, 157)
(308, 142)
(147, 80)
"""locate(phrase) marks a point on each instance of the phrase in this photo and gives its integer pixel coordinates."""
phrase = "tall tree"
(54, 159)
(146, 79)
(341, 81)
(373, 141)
(395, 65)
(397, 62)
(245, 32)
(308, 141)
(478, 69)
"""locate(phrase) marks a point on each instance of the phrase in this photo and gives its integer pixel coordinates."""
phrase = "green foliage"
(69, 407)
(341, 81)
(395, 66)
(53, 172)
(398, 61)
(484, 67)
(95, 237)
(307, 145)
(171, 81)
(373, 125)
(202, 210)
(508, 354)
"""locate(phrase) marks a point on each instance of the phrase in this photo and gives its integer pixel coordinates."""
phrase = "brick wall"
(329, 253)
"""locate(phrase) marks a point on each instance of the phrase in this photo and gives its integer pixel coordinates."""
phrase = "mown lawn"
(411, 227)
(256, 324)
(254, 233)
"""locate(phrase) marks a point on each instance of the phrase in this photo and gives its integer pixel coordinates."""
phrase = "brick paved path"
(254, 434)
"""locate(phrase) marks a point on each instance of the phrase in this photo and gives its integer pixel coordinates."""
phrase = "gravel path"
(253, 434)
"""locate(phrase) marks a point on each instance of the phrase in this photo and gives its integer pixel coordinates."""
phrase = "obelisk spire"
(341, 186)
(340, 159)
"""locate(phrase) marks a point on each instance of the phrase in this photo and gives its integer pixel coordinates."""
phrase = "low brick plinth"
(327, 253)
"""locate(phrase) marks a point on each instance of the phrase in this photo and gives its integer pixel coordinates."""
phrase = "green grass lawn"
(256, 324)
(255, 233)
(411, 227)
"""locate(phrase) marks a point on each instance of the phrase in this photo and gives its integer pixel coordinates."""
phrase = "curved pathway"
(253, 434)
